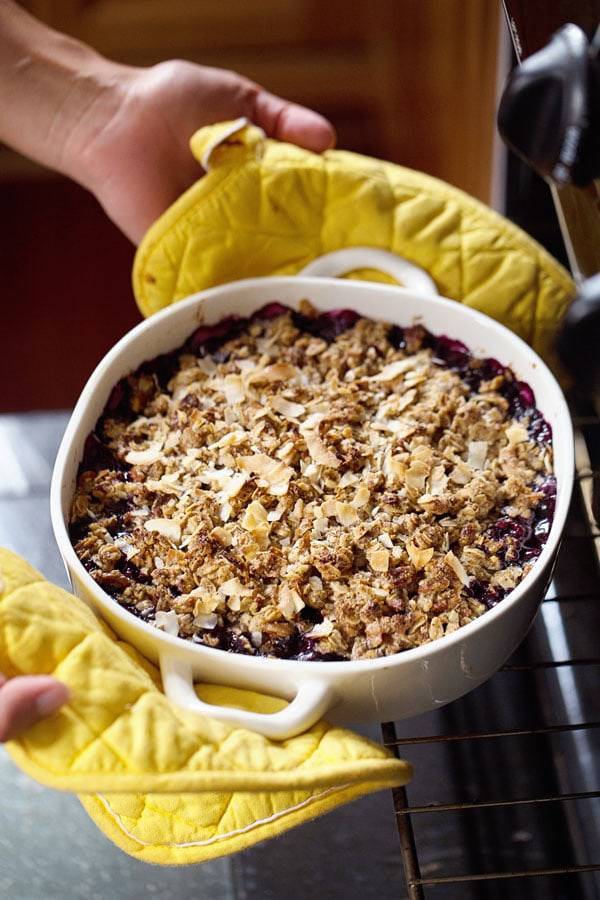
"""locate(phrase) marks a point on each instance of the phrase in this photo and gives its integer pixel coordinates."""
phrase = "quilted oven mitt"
(165, 788)
(269, 208)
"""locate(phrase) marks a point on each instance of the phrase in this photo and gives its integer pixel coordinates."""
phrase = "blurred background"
(413, 81)
(416, 82)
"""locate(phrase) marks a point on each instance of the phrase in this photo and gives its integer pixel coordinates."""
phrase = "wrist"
(56, 93)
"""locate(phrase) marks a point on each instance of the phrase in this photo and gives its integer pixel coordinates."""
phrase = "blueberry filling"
(269, 311)
(328, 325)
(207, 339)
(489, 595)
(521, 541)
(97, 457)
(451, 353)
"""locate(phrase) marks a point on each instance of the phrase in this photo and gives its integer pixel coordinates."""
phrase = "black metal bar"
(486, 804)
(573, 598)
(551, 664)
(406, 834)
(482, 735)
(524, 873)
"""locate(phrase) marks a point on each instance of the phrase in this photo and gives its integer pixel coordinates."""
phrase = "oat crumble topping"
(314, 487)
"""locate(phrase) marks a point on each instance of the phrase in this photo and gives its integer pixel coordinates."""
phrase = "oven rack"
(544, 653)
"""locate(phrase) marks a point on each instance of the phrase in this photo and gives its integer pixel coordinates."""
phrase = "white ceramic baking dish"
(393, 687)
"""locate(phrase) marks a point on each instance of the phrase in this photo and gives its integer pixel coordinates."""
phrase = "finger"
(24, 701)
(291, 122)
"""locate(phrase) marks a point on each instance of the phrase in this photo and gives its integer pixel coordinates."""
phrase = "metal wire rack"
(552, 790)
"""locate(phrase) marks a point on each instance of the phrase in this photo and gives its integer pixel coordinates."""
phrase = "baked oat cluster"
(314, 487)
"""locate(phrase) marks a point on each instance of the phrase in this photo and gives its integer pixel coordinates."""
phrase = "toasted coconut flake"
(167, 527)
(167, 621)
(321, 629)
(275, 473)
(379, 560)
(290, 602)
(319, 452)
(312, 421)
(273, 373)
(172, 440)
(225, 511)
(406, 400)
(255, 517)
(394, 468)
(311, 471)
(345, 513)
(230, 487)
(419, 557)
(395, 369)
(320, 526)
(231, 439)
(222, 536)
(414, 378)
(347, 479)
(316, 583)
(328, 508)
(362, 496)
(437, 481)
(234, 588)
(207, 365)
(216, 476)
(386, 540)
(207, 621)
(457, 567)
(285, 450)
(233, 388)
(164, 486)
(477, 454)
(256, 638)
(287, 409)
(416, 476)
(127, 549)
(516, 434)
(145, 457)
(462, 473)
(205, 602)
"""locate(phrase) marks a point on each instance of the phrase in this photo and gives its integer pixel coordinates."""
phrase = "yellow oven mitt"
(269, 208)
(165, 788)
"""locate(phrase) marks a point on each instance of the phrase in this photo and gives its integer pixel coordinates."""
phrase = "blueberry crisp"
(314, 487)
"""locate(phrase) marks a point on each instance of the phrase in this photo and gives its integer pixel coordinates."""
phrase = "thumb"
(26, 700)
(290, 122)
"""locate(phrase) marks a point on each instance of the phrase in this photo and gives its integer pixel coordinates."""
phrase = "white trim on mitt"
(219, 837)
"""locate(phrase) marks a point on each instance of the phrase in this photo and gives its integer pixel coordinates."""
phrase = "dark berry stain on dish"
(108, 484)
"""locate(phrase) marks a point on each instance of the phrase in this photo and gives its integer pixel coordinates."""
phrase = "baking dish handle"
(340, 262)
(312, 700)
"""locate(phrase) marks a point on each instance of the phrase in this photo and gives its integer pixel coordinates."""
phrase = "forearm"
(55, 92)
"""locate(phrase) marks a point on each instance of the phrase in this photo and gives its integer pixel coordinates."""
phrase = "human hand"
(133, 151)
(26, 700)
(121, 131)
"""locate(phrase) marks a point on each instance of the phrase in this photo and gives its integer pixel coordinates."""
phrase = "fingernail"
(51, 700)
